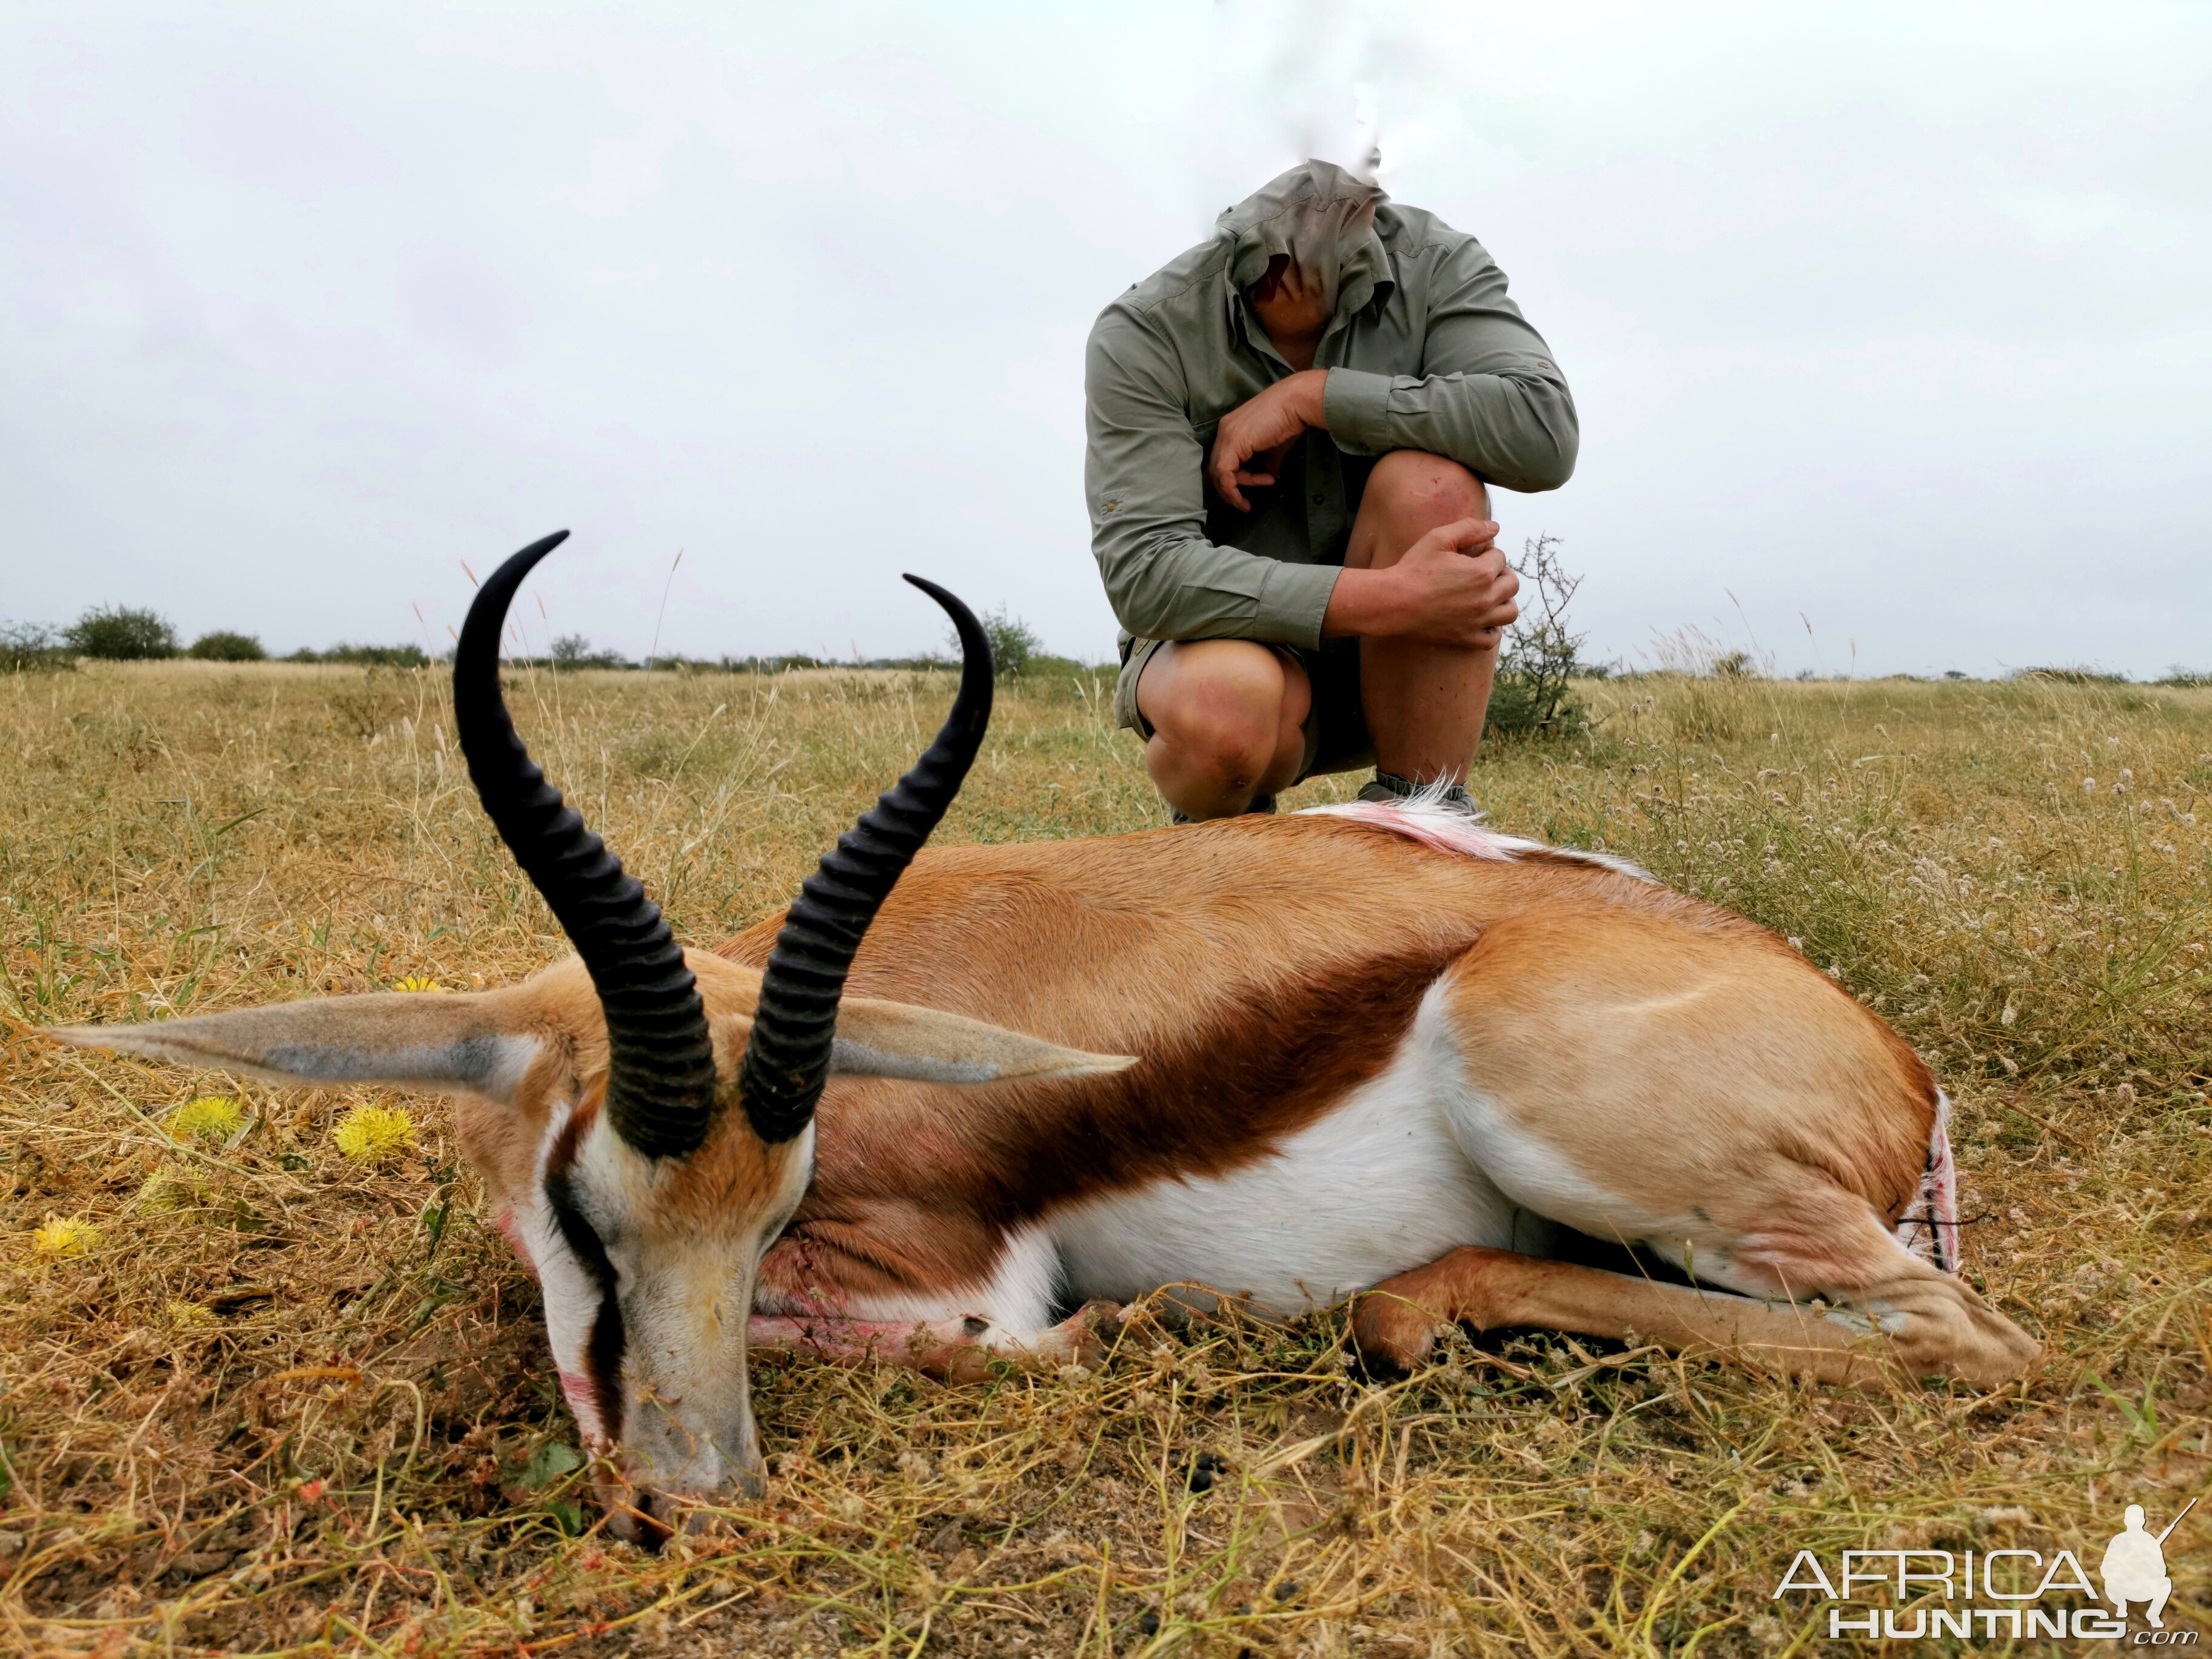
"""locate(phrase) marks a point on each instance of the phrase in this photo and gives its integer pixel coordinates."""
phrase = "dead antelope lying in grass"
(1379, 1049)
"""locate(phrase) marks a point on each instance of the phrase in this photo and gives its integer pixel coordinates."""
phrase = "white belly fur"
(1380, 1186)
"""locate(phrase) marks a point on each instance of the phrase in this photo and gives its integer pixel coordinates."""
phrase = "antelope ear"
(480, 1043)
(897, 1039)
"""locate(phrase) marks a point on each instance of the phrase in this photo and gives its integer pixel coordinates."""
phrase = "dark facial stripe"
(602, 1350)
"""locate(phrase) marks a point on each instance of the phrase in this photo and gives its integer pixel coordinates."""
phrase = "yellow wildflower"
(415, 983)
(212, 1117)
(370, 1135)
(65, 1235)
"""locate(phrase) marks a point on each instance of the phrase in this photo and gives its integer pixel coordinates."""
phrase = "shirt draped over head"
(1422, 349)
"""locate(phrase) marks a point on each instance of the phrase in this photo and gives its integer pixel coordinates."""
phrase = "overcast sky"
(1890, 327)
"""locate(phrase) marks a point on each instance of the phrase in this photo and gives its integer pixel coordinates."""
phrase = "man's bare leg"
(1227, 719)
(1423, 703)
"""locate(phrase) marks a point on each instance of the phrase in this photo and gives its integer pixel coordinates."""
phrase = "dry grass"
(275, 1399)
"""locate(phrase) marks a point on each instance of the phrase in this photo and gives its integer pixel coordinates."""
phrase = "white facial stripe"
(571, 1295)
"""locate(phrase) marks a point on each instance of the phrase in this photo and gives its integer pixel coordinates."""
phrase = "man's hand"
(1452, 587)
(1264, 427)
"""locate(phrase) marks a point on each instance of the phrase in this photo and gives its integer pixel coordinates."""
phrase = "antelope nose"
(644, 1517)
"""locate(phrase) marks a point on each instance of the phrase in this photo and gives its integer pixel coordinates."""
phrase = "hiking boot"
(1389, 787)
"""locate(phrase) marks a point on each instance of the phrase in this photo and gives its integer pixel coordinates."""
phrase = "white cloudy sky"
(1890, 326)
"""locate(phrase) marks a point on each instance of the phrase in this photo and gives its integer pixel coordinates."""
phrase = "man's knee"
(1222, 709)
(1419, 491)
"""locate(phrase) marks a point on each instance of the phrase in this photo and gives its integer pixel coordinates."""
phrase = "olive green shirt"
(1423, 351)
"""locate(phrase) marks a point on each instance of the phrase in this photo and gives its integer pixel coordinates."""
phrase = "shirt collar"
(1367, 281)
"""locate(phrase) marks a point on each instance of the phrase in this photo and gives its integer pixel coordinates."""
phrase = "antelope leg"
(1918, 1324)
(960, 1350)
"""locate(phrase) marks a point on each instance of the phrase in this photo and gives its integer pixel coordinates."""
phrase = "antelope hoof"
(1389, 1330)
(1095, 1328)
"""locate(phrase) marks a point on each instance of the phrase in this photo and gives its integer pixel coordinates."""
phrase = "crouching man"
(1290, 430)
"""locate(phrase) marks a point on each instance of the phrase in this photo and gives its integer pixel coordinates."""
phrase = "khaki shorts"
(1335, 726)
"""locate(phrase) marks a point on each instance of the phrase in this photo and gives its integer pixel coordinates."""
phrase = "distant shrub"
(2064, 676)
(1532, 695)
(367, 656)
(1012, 641)
(31, 648)
(2186, 678)
(121, 634)
(224, 646)
(575, 651)
(1044, 662)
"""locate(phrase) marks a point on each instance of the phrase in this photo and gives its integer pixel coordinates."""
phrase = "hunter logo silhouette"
(2134, 1568)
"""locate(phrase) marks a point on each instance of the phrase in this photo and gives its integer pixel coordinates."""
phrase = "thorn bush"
(121, 634)
(225, 646)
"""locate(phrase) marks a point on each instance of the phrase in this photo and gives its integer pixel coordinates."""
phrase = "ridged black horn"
(660, 1061)
(788, 1055)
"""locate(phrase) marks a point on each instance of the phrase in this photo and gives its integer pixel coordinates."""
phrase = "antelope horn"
(788, 1056)
(660, 1060)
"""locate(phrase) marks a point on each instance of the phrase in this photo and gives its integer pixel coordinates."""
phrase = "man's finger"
(1470, 537)
(1221, 473)
(1228, 456)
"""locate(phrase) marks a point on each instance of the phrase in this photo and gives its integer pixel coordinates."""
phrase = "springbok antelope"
(1378, 1051)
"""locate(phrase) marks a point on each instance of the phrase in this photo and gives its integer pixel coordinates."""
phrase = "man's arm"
(1142, 476)
(1489, 395)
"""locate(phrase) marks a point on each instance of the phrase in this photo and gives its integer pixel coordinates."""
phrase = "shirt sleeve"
(1143, 474)
(1489, 396)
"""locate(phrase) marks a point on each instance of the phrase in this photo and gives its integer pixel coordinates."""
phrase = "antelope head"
(643, 1116)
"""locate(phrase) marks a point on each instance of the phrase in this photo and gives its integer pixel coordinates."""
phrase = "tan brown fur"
(1239, 984)
(1621, 1008)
